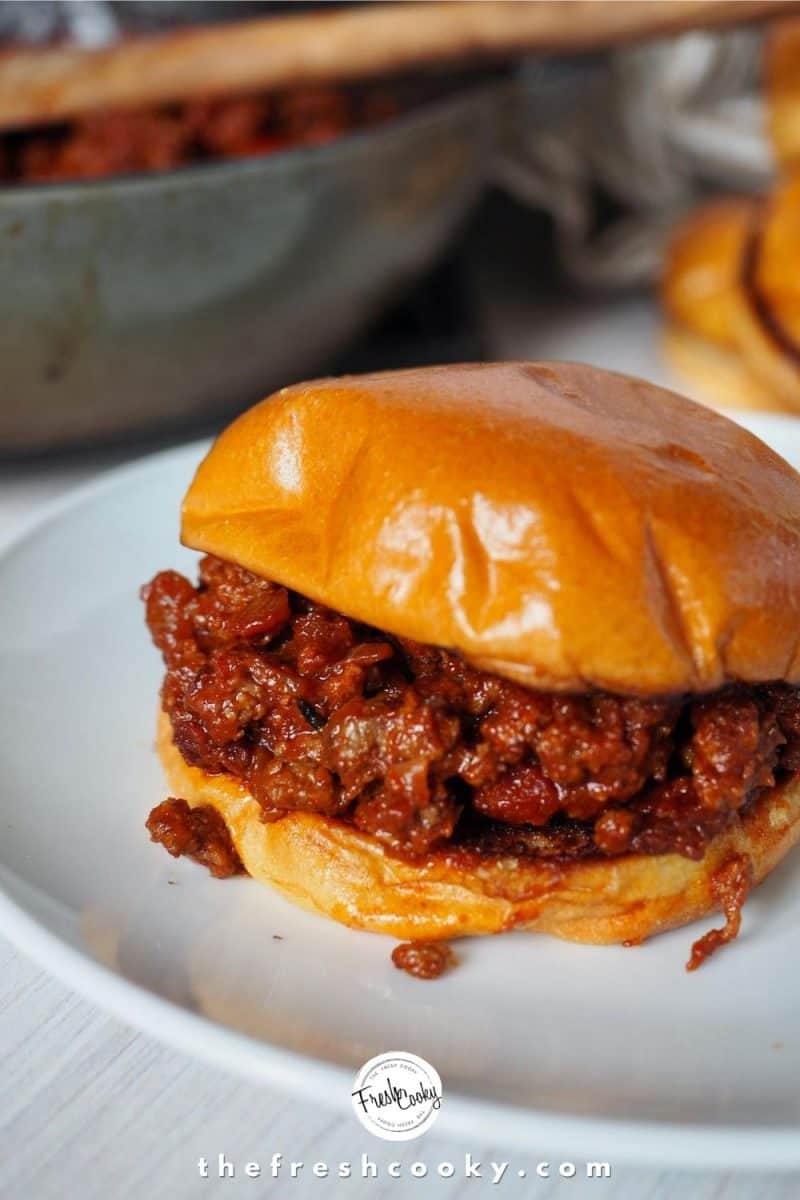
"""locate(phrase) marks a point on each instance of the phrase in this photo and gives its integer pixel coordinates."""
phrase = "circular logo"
(397, 1096)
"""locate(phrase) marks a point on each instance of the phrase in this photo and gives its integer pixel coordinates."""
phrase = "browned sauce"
(423, 960)
(199, 833)
(407, 742)
(730, 886)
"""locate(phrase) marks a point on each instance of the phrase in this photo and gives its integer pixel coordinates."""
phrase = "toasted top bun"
(557, 524)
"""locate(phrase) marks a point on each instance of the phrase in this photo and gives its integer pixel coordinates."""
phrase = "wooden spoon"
(49, 84)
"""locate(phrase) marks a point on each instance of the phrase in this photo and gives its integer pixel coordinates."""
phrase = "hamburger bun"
(563, 526)
(729, 287)
(716, 375)
(701, 293)
(782, 89)
(700, 276)
(768, 319)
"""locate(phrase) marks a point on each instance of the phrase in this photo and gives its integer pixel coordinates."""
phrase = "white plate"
(605, 1052)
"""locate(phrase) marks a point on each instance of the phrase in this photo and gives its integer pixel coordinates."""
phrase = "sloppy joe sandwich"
(487, 647)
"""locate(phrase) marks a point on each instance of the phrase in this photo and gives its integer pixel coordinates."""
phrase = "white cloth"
(653, 128)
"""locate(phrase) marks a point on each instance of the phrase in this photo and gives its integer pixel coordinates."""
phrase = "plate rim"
(623, 1141)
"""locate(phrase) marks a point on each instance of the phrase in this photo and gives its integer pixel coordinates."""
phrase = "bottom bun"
(329, 867)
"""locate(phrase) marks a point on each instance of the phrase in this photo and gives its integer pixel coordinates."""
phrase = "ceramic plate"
(609, 1052)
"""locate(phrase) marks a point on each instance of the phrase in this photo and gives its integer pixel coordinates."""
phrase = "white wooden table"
(92, 1110)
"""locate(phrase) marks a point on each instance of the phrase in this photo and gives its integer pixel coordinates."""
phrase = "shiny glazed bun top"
(557, 524)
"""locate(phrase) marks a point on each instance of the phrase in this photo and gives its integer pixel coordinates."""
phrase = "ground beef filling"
(133, 141)
(313, 711)
(199, 833)
(424, 960)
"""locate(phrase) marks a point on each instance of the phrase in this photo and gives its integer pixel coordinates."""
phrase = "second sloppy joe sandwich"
(486, 647)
